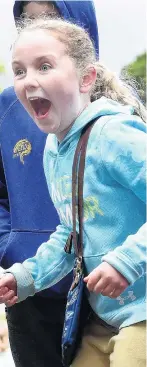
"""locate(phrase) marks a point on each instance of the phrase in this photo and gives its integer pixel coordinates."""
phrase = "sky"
(122, 26)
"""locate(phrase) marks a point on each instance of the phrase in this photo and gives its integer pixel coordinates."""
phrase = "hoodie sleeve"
(123, 151)
(50, 264)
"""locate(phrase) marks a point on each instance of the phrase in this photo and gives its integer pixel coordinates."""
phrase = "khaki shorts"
(102, 348)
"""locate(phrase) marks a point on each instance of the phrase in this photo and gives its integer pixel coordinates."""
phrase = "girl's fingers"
(92, 279)
(108, 291)
(86, 279)
(12, 301)
(3, 291)
(7, 297)
(90, 286)
(100, 286)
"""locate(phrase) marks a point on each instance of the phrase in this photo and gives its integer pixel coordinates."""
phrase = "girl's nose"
(30, 83)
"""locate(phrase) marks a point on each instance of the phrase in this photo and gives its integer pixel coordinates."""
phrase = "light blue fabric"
(114, 209)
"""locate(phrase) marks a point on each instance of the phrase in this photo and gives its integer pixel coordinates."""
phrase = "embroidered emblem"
(23, 147)
(123, 299)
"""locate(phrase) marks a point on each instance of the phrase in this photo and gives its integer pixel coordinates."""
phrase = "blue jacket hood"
(79, 12)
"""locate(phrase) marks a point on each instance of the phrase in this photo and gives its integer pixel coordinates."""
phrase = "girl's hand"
(106, 280)
(8, 290)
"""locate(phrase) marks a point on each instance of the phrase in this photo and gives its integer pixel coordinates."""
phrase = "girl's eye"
(18, 72)
(45, 67)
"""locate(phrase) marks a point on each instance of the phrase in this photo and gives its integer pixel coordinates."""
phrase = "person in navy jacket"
(27, 215)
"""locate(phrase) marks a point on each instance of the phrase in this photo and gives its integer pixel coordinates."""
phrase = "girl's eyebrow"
(16, 62)
(37, 59)
(40, 58)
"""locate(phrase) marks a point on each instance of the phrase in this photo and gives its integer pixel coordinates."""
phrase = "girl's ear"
(88, 79)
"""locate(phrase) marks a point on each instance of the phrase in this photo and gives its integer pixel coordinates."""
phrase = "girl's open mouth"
(41, 106)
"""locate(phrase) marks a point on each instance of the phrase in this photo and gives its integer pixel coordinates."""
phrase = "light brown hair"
(81, 49)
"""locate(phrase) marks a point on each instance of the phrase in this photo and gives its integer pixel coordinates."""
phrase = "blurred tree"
(137, 71)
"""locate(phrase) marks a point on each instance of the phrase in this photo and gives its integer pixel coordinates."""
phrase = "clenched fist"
(106, 280)
(8, 290)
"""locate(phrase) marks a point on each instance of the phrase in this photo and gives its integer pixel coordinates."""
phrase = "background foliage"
(137, 71)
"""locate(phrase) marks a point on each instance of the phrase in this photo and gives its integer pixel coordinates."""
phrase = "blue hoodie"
(79, 12)
(114, 210)
(27, 215)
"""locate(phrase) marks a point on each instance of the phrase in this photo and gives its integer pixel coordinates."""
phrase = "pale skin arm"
(8, 290)
(106, 280)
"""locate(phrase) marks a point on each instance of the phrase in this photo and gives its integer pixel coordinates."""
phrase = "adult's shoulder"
(7, 99)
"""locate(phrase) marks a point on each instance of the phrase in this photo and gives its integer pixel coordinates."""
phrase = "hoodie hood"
(103, 107)
(79, 12)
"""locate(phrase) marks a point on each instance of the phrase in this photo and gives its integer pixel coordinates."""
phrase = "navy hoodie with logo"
(27, 215)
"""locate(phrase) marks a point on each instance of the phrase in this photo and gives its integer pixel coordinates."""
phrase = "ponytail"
(110, 86)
